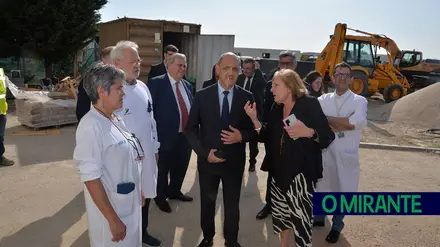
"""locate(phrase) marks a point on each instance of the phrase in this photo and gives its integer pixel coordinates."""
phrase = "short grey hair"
(229, 54)
(120, 47)
(177, 55)
(288, 54)
(100, 74)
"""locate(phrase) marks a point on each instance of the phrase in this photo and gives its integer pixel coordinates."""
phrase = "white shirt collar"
(173, 82)
(342, 96)
(221, 89)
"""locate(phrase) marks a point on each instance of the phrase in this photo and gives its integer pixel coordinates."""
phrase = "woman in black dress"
(293, 154)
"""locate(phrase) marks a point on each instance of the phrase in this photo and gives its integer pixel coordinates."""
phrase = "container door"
(210, 48)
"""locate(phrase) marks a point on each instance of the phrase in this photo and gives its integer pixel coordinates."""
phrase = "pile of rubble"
(40, 109)
(421, 109)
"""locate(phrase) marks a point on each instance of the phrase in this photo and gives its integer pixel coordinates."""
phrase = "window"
(351, 52)
(410, 59)
(358, 53)
(366, 56)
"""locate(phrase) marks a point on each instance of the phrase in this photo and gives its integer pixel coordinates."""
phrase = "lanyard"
(338, 108)
(132, 139)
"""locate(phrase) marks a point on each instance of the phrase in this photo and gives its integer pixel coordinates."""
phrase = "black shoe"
(164, 206)
(5, 161)
(148, 240)
(232, 244)
(318, 223)
(206, 243)
(333, 236)
(264, 212)
(183, 198)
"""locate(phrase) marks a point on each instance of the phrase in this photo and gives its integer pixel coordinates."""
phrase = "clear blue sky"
(287, 24)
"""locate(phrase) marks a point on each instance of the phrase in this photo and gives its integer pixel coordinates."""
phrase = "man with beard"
(138, 116)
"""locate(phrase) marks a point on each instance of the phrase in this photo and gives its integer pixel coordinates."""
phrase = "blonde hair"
(293, 82)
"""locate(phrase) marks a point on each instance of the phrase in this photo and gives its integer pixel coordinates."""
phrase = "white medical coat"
(341, 166)
(102, 152)
(137, 112)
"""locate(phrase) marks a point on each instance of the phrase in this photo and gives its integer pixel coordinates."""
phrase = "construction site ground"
(42, 203)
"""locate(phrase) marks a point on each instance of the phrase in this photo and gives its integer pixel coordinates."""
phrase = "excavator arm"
(381, 41)
(333, 51)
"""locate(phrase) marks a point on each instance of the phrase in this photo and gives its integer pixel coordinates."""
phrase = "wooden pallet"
(35, 132)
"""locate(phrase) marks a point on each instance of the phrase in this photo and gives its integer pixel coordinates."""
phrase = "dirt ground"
(396, 133)
(42, 203)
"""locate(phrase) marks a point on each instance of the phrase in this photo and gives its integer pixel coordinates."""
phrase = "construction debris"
(419, 109)
(40, 109)
(40, 113)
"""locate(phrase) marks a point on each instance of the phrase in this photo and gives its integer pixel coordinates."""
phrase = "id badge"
(341, 135)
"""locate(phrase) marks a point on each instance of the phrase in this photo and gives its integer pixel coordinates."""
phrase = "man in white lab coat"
(137, 113)
(347, 116)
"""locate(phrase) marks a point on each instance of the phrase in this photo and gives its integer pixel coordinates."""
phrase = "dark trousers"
(268, 185)
(145, 212)
(253, 152)
(2, 134)
(231, 182)
(175, 163)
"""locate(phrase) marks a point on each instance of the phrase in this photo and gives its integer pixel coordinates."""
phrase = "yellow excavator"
(418, 71)
(369, 75)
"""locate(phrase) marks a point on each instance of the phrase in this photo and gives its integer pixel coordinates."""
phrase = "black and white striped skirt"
(292, 209)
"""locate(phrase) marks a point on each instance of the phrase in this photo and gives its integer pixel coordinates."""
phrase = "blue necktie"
(225, 110)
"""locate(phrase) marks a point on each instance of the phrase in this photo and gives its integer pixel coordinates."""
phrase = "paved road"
(42, 204)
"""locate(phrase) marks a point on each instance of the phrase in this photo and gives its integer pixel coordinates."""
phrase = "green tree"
(52, 29)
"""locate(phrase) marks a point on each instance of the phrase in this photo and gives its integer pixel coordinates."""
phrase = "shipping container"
(152, 36)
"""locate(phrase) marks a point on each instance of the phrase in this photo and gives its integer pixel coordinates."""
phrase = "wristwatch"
(315, 135)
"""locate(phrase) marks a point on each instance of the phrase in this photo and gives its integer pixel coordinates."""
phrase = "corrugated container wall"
(151, 36)
(209, 50)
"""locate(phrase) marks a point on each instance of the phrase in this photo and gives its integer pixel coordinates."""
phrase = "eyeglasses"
(139, 61)
(137, 146)
(343, 75)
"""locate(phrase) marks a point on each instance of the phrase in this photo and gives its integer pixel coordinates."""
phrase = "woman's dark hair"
(311, 77)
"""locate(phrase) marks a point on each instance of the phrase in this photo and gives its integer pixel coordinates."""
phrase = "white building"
(263, 52)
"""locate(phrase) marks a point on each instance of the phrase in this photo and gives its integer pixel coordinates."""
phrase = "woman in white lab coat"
(109, 158)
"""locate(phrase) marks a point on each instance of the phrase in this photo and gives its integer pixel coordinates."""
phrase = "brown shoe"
(6, 162)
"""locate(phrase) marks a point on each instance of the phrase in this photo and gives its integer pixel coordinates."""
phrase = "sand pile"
(421, 108)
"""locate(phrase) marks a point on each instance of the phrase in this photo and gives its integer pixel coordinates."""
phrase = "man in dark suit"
(213, 80)
(83, 102)
(287, 60)
(218, 129)
(253, 80)
(161, 68)
(172, 100)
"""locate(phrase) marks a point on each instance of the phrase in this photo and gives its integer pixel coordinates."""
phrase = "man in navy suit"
(172, 100)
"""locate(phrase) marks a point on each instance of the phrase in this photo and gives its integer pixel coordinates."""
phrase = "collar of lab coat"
(346, 94)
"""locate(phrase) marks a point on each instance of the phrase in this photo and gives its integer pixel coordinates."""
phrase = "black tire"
(360, 75)
(390, 92)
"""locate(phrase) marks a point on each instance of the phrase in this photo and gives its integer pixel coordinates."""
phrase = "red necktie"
(182, 106)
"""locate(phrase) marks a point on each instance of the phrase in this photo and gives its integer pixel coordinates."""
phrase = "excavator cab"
(359, 55)
(408, 59)
(420, 72)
